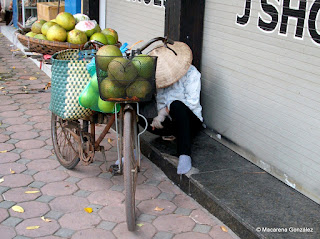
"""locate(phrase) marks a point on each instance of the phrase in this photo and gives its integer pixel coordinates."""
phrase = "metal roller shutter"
(261, 86)
(136, 20)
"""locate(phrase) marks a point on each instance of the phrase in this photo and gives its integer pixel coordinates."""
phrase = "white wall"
(102, 13)
(135, 21)
(262, 90)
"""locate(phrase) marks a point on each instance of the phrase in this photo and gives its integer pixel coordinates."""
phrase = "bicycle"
(73, 141)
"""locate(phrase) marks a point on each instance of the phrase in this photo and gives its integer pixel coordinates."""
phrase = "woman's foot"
(184, 164)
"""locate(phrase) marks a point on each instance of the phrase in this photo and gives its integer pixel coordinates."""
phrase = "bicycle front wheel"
(130, 167)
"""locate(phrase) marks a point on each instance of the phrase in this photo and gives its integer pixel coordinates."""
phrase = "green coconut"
(40, 36)
(56, 33)
(31, 34)
(110, 89)
(88, 98)
(45, 27)
(105, 55)
(122, 70)
(66, 20)
(37, 25)
(77, 37)
(105, 106)
(98, 36)
(145, 65)
(140, 88)
(112, 32)
(89, 27)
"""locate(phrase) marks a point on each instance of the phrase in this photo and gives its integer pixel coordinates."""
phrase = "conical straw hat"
(171, 67)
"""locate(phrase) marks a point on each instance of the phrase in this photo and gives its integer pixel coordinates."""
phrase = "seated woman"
(178, 99)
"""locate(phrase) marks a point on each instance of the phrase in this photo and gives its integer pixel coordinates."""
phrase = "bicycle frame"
(119, 130)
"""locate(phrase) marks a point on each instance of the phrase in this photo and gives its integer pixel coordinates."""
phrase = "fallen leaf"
(38, 73)
(12, 171)
(1, 180)
(223, 228)
(109, 140)
(3, 151)
(140, 224)
(88, 209)
(45, 219)
(47, 86)
(33, 78)
(30, 192)
(32, 227)
(159, 209)
(17, 208)
(1, 87)
(13, 67)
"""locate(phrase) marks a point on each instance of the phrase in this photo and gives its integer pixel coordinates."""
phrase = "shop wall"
(261, 87)
(136, 20)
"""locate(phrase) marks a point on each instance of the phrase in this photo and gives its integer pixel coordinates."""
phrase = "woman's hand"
(162, 114)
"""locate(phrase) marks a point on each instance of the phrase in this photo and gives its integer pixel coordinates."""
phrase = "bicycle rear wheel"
(65, 135)
(130, 167)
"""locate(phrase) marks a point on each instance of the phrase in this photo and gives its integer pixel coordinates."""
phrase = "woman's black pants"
(184, 125)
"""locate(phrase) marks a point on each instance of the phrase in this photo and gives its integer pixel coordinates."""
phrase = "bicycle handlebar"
(94, 43)
(98, 44)
(165, 40)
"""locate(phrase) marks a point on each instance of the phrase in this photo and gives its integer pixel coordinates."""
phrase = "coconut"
(77, 37)
(122, 70)
(105, 106)
(110, 89)
(105, 55)
(140, 88)
(98, 36)
(66, 20)
(45, 27)
(56, 33)
(111, 40)
(37, 25)
(144, 65)
(31, 34)
(40, 36)
(89, 27)
(94, 83)
(80, 17)
(88, 98)
(112, 32)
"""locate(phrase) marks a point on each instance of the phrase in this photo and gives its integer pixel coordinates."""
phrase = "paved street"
(28, 164)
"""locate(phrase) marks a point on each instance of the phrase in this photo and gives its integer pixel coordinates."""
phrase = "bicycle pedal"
(114, 169)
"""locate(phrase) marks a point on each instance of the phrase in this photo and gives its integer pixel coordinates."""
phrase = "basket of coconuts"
(66, 31)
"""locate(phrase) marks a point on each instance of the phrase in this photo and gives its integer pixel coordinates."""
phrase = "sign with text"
(154, 3)
(274, 15)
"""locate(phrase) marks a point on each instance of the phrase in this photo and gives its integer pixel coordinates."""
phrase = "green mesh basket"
(69, 78)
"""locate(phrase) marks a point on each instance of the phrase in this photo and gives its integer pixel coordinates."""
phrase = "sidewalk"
(29, 164)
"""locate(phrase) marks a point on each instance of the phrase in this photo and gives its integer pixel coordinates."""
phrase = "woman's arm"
(192, 85)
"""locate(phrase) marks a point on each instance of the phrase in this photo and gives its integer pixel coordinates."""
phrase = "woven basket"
(69, 78)
(45, 46)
